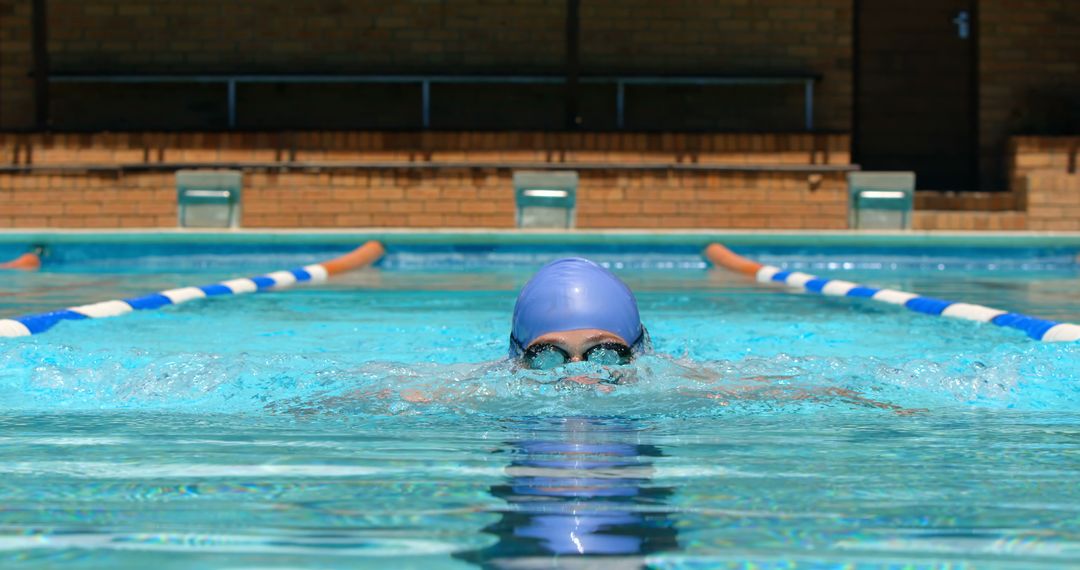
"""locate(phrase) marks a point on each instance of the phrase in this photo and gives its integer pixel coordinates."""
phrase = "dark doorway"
(915, 100)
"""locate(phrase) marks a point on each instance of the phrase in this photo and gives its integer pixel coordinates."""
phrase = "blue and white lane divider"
(316, 273)
(35, 324)
(1036, 328)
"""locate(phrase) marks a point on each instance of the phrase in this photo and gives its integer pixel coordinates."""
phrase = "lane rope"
(28, 325)
(1036, 328)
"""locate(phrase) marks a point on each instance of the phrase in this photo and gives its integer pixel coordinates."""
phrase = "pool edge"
(402, 236)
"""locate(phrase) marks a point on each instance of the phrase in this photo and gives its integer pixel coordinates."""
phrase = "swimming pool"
(371, 422)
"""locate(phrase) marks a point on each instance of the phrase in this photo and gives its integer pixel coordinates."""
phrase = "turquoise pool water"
(373, 422)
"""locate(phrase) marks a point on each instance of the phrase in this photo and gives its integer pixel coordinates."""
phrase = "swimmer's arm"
(843, 394)
(853, 397)
(800, 394)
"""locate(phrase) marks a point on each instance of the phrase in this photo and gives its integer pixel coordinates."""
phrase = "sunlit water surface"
(374, 422)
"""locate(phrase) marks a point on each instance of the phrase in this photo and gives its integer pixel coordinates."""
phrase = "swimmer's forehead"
(578, 335)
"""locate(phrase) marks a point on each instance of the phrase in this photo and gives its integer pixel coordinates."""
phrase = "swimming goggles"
(546, 356)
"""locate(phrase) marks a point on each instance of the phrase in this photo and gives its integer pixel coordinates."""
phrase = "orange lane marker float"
(25, 262)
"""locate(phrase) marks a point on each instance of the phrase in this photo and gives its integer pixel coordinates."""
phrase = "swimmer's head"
(580, 298)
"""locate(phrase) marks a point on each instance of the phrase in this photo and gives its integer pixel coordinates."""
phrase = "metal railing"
(426, 81)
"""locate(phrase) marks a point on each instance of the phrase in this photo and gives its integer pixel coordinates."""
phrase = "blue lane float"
(1036, 328)
(316, 273)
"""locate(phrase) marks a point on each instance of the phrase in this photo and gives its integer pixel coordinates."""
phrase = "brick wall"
(344, 180)
(1029, 71)
(484, 198)
(957, 201)
(455, 197)
(956, 220)
(101, 200)
(1053, 200)
(730, 36)
(128, 149)
(338, 179)
(16, 86)
(433, 198)
(745, 200)
(1044, 193)
(1030, 154)
(1026, 154)
(315, 36)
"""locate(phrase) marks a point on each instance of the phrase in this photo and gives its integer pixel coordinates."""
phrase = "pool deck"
(402, 236)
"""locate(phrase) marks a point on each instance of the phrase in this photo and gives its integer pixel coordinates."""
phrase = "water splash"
(51, 377)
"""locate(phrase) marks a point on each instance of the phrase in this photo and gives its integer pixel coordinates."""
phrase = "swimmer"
(573, 310)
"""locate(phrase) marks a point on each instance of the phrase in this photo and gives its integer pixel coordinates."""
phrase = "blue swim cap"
(574, 293)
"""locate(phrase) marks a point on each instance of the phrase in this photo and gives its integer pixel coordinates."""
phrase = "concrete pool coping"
(402, 236)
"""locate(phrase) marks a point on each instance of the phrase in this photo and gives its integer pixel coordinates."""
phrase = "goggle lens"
(545, 357)
(609, 354)
(548, 356)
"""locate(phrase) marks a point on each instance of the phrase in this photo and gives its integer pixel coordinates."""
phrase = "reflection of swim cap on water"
(571, 294)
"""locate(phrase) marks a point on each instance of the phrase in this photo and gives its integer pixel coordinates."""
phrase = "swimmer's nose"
(575, 358)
